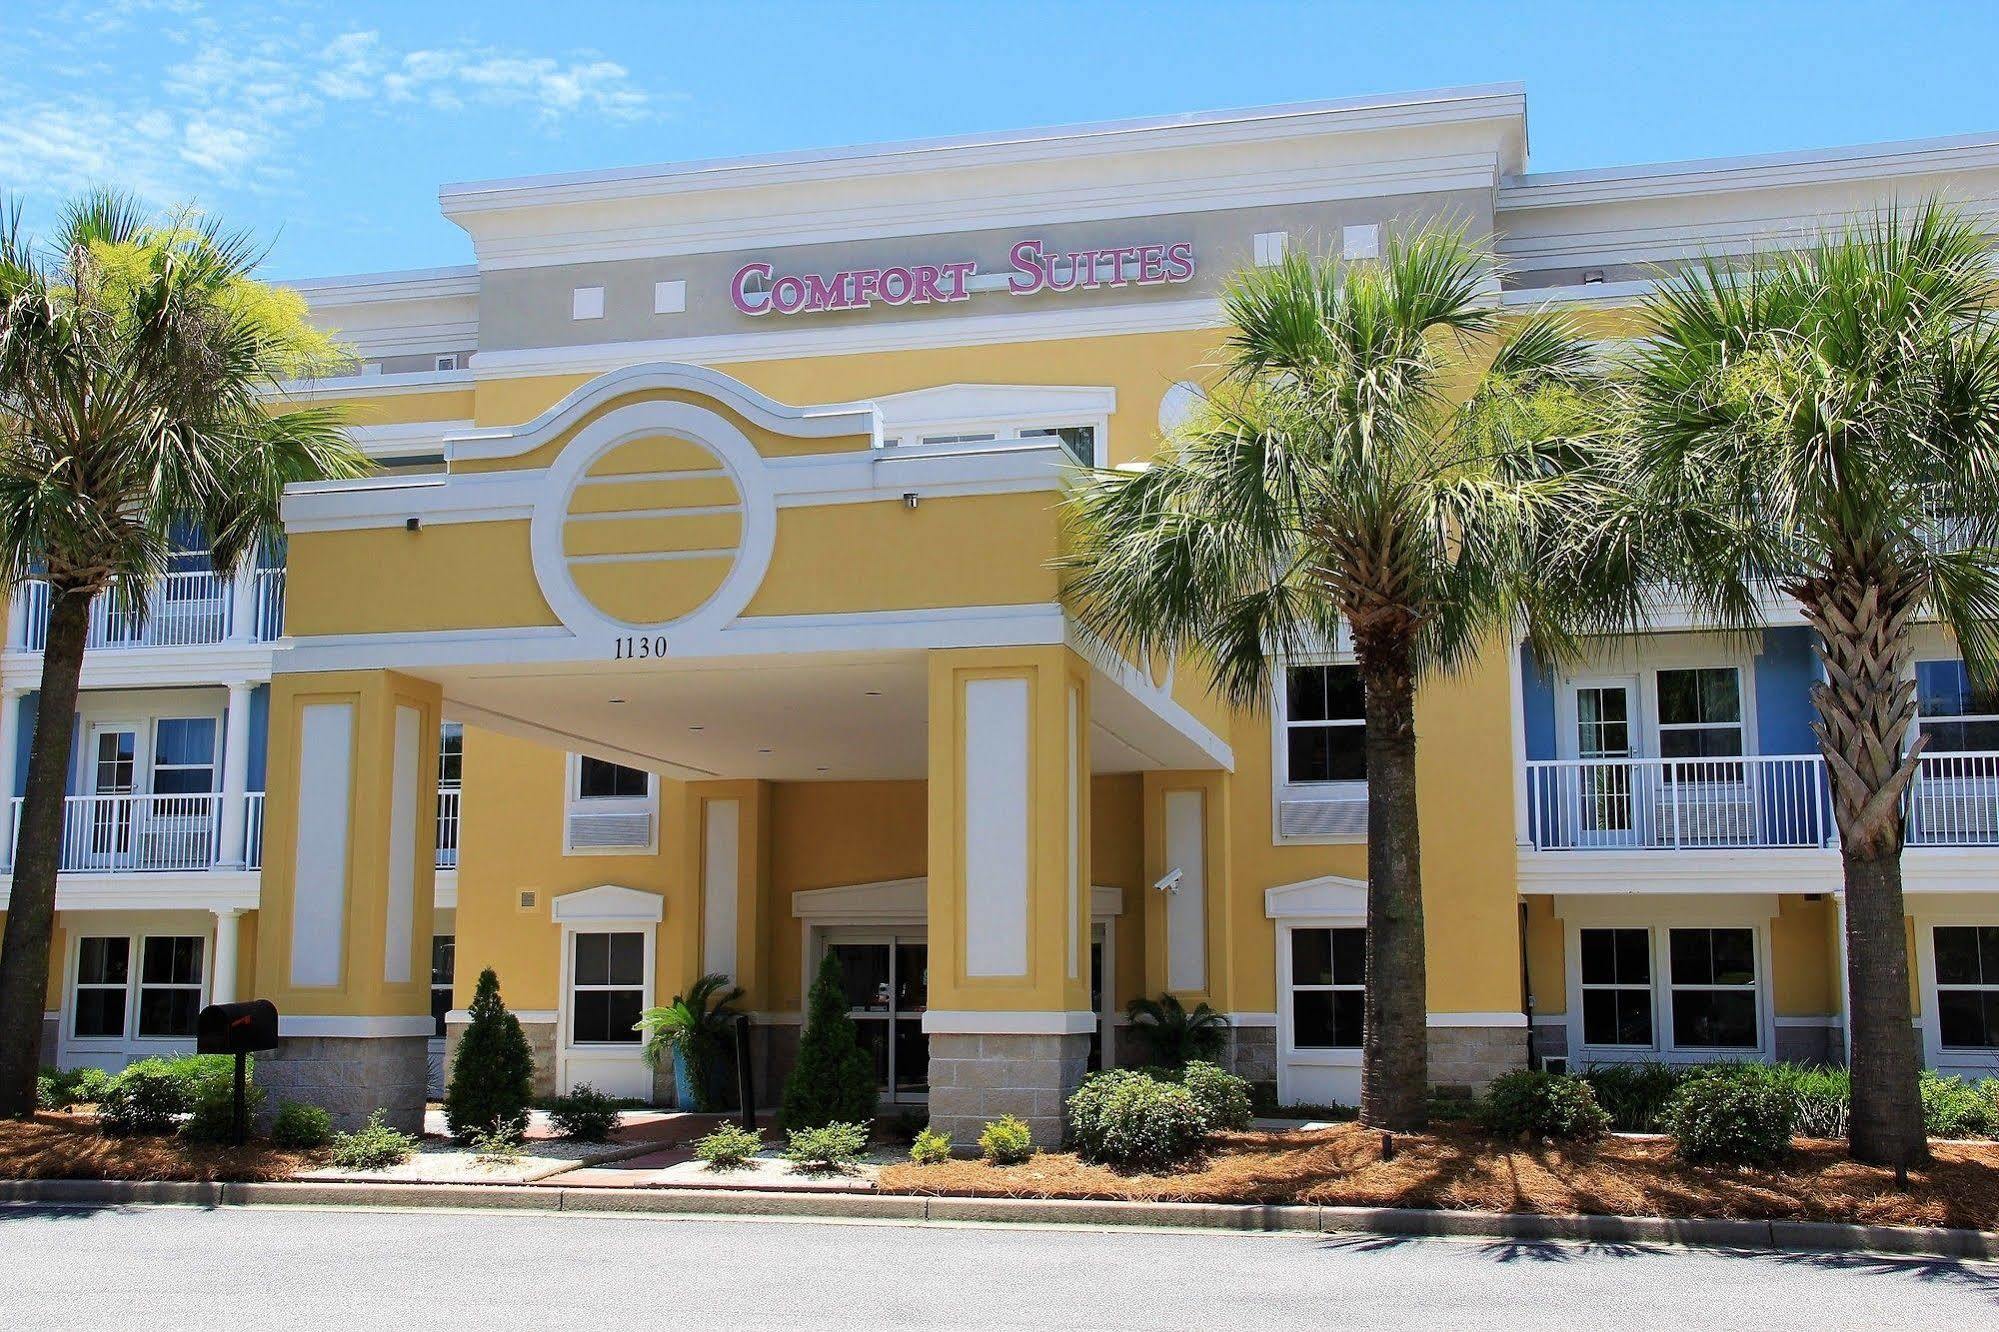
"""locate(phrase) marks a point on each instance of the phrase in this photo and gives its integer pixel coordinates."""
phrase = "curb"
(1409, 1222)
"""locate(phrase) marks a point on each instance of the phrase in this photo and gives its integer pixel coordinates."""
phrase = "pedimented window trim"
(607, 904)
(1329, 896)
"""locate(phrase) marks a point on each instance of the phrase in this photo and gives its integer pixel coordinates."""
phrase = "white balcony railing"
(136, 834)
(182, 610)
(253, 830)
(1780, 800)
(447, 827)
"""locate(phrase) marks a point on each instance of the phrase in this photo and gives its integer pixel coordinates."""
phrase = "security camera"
(1169, 882)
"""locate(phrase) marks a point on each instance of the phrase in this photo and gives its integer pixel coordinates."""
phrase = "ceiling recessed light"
(695, 728)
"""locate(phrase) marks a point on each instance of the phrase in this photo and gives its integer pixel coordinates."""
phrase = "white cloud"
(202, 102)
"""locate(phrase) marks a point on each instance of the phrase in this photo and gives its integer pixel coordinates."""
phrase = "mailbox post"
(242, 1030)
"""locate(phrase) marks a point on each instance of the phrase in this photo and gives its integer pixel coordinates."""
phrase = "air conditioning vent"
(610, 830)
(1555, 1064)
(1322, 818)
(529, 897)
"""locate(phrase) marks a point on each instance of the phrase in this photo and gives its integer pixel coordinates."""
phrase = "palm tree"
(1174, 1034)
(134, 360)
(1334, 478)
(1811, 426)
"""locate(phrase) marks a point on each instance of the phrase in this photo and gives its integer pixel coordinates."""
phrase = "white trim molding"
(607, 904)
(307, 1025)
(966, 1022)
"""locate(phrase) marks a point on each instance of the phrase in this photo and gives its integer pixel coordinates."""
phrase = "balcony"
(182, 834)
(1768, 801)
(182, 610)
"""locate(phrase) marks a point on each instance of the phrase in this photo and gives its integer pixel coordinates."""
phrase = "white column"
(235, 776)
(243, 601)
(10, 737)
(222, 976)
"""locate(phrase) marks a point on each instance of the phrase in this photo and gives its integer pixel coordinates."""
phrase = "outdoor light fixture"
(412, 524)
(1593, 278)
(908, 499)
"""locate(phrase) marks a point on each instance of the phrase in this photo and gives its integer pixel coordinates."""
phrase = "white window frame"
(1758, 984)
(1651, 986)
(605, 909)
(1282, 788)
(1937, 987)
(967, 415)
(112, 1051)
(1289, 987)
(1328, 902)
(1662, 728)
(1661, 916)
(1938, 910)
(199, 986)
(1916, 725)
(574, 803)
(1641, 660)
(153, 766)
(128, 1027)
(571, 987)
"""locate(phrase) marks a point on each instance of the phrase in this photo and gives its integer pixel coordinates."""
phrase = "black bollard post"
(746, 1090)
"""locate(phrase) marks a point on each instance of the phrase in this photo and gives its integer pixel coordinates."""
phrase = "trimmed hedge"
(1542, 1105)
(1723, 1115)
(1133, 1120)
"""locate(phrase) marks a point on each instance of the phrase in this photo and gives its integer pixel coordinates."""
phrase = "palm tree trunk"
(31, 908)
(1866, 705)
(1886, 1123)
(1395, 1054)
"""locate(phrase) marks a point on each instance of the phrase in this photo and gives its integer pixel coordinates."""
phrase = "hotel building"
(700, 618)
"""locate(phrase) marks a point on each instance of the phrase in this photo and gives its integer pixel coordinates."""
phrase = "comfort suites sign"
(759, 289)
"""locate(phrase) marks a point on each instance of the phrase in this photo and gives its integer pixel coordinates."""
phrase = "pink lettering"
(1180, 261)
(956, 274)
(828, 293)
(924, 287)
(788, 294)
(739, 289)
(1151, 264)
(896, 285)
(1030, 274)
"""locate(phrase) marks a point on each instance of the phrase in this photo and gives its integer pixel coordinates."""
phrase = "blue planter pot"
(683, 1088)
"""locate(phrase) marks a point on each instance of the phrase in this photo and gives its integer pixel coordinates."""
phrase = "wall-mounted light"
(412, 524)
(908, 499)
(1593, 278)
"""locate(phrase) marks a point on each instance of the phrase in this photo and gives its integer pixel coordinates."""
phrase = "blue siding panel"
(1785, 673)
(1537, 705)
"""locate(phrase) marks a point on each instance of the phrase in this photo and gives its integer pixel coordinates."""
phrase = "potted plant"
(694, 1032)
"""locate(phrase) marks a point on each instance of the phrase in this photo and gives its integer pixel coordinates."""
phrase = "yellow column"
(1009, 888)
(343, 941)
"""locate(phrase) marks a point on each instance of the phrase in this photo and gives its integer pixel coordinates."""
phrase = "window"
(1956, 717)
(1325, 726)
(451, 755)
(1967, 958)
(598, 780)
(1328, 988)
(1617, 986)
(170, 986)
(607, 988)
(1080, 441)
(1713, 974)
(184, 756)
(1700, 717)
(103, 967)
(443, 963)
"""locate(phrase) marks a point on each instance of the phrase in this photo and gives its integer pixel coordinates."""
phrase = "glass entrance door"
(114, 779)
(887, 979)
(1604, 721)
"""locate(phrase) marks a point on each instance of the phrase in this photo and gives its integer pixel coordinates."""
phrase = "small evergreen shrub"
(931, 1147)
(1954, 1108)
(835, 1146)
(1006, 1141)
(88, 1085)
(1722, 1116)
(1528, 1102)
(300, 1127)
(729, 1147)
(375, 1146)
(1822, 1097)
(213, 1115)
(1172, 1034)
(1129, 1119)
(492, 1074)
(1635, 1096)
(52, 1092)
(1221, 1097)
(833, 1081)
(585, 1115)
(498, 1148)
(148, 1097)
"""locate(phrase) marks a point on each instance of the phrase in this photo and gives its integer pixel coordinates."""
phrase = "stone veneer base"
(976, 1079)
(1467, 1058)
(350, 1077)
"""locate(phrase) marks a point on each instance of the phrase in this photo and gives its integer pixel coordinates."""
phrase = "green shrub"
(1635, 1096)
(492, 1074)
(148, 1097)
(498, 1148)
(1542, 1105)
(212, 1118)
(1129, 1119)
(1724, 1116)
(932, 1146)
(833, 1146)
(1954, 1108)
(833, 1081)
(1173, 1034)
(729, 1147)
(52, 1092)
(1006, 1141)
(301, 1127)
(1221, 1097)
(585, 1115)
(88, 1085)
(1822, 1097)
(375, 1146)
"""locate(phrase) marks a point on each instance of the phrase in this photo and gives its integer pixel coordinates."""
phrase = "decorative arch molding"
(1329, 895)
(827, 421)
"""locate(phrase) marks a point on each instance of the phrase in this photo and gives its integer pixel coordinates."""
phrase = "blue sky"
(327, 128)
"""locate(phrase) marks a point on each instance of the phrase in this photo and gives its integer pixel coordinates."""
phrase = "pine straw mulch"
(1458, 1168)
(52, 1146)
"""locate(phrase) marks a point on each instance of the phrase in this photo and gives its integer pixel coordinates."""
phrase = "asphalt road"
(297, 1267)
